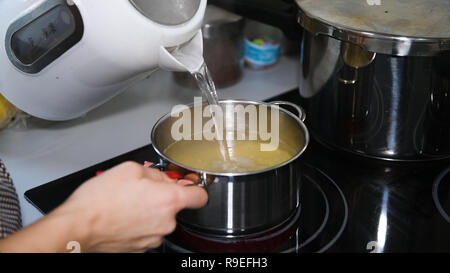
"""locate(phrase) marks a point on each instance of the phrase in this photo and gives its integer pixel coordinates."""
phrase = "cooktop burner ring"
(327, 213)
(436, 199)
(325, 218)
(344, 223)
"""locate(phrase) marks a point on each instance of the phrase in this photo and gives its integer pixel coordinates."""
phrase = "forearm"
(50, 234)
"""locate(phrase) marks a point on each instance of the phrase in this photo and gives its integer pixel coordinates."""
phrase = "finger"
(185, 182)
(132, 170)
(157, 175)
(125, 171)
(192, 177)
(147, 164)
(193, 197)
(173, 176)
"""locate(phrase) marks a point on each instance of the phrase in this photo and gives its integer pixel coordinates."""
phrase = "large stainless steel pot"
(396, 107)
(243, 203)
(382, 95)
(374, 75)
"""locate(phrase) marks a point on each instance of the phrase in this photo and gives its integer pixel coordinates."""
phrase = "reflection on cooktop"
(334, 218)
(441, 190)
(390, 205)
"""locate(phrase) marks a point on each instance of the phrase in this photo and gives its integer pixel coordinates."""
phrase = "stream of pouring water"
(206, 85)
(192, 59)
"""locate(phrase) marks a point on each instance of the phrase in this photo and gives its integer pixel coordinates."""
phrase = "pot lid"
(397, 27)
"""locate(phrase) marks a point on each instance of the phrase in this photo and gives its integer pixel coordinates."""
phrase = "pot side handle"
(162, 166)
(300, 110)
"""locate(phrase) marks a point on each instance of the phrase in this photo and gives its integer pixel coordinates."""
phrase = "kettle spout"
(187, 57)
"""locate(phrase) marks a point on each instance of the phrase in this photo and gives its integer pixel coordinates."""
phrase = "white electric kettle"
(61, 58)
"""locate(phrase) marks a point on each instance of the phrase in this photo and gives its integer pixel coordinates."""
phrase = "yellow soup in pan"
(239, 157)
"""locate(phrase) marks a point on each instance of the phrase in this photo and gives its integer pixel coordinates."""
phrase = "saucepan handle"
(300, 110)
(162, 166)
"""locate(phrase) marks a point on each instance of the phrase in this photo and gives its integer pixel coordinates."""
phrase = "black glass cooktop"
(348, 204)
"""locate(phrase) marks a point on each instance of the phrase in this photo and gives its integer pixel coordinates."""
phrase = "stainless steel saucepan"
(243, 203)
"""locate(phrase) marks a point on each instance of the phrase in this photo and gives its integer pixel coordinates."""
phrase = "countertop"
(44, 151)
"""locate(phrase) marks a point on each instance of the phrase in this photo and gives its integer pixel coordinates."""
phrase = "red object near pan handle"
(173, 175)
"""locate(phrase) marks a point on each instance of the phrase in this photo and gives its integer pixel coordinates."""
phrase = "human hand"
(129, 208)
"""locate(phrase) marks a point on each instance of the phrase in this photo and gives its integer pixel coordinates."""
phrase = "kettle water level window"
(37, 39)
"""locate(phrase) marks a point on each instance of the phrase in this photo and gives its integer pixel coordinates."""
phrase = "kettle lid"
(168, 12)
(396, 27)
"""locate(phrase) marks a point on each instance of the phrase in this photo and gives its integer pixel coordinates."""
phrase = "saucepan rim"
(234, 101)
